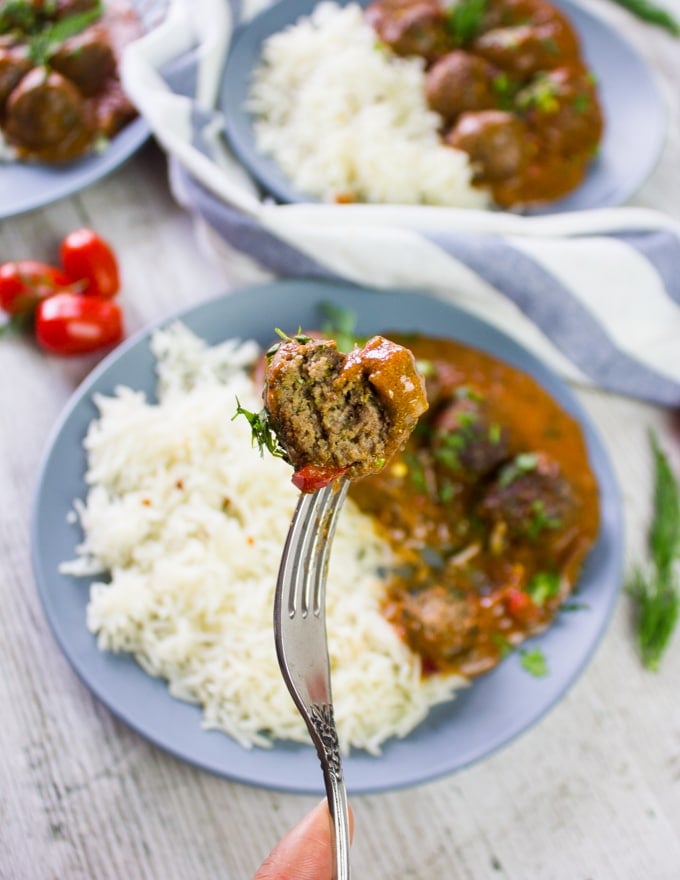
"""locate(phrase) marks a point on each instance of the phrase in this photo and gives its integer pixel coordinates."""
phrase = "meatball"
(437, 624)
(467, 443)
(342, 413)
(14, 65)
(525, 49)
(561, 106)
(460, 81)
(86, 59)
(530, 500)
(525, 36)
(411, 28)
(113, 109)
(47, 116)
(496, 142)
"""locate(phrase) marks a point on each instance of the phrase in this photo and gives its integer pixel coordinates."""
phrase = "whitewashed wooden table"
(592, 792)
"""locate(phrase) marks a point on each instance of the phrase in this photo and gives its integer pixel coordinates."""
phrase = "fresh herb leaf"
(416, 471)
(340, 325)
(465, 19)
(504, 645)
(44, 42)
(521, 464)
(655, 590)
(658, 607)
(262, 431)
(648, 11)
(541, 520)
(543, 585)
(18, 15)
(664, 536)
(533, 660)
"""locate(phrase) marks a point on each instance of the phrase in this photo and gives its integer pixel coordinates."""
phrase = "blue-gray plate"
(489, 714)
(635, 114)
(25, 186)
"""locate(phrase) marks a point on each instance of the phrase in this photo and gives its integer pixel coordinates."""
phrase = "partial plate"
(635, 114)
(489, 714)
(26, 186)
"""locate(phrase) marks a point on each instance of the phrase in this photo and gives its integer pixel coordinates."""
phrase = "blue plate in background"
(496, 708)
(25, 186)
(635, 114)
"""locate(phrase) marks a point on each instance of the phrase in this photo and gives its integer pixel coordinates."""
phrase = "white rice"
(345, 118)
(190, 522)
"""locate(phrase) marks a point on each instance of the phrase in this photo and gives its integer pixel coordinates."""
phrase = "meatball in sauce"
(511, 87)
(491, 509)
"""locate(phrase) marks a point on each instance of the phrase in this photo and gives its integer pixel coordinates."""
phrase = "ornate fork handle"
(301, 646)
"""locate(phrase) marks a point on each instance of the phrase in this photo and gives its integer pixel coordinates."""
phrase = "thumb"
(306, 852)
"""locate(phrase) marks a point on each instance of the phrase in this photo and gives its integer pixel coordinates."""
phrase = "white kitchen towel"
(596, 294)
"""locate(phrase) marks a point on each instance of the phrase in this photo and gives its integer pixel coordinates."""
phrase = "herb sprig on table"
(651, 12)
(656, 589)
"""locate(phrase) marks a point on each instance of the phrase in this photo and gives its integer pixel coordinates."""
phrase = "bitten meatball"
(343, 414)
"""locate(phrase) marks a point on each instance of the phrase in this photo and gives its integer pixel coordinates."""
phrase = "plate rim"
(410, 776)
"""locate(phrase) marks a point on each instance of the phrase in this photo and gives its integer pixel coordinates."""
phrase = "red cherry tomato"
(312, 477)
(69, 323)
(24, 283)
(517, 602)
(85, 256)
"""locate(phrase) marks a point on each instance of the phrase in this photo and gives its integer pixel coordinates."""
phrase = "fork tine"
(323, 541)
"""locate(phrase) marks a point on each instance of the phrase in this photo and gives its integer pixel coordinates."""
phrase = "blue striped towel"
(595, 294)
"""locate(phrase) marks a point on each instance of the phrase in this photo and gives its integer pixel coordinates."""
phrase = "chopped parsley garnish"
(533, 660)
(541, 520)
(416, 471)
(504, 645)
(465, 392)
(542, 93)
(298, 337)
(43, 42)
(543, 585)
(465, 19)
(655, 589)
(504, 89)
(340, 325)
(521, 464)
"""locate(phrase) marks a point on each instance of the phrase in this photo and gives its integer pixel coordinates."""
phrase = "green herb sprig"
(534, 661)
(262, 431)
(652, 13)
(339, 324)
(655, 589)
(465, 19)
(43, 43)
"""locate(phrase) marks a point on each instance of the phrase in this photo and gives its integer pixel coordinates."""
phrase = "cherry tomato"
(312, 477)
(69, 323)
(24, 283)
(517, 602)
(86, 256)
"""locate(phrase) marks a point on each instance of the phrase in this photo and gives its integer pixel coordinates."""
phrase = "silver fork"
(301, 646)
